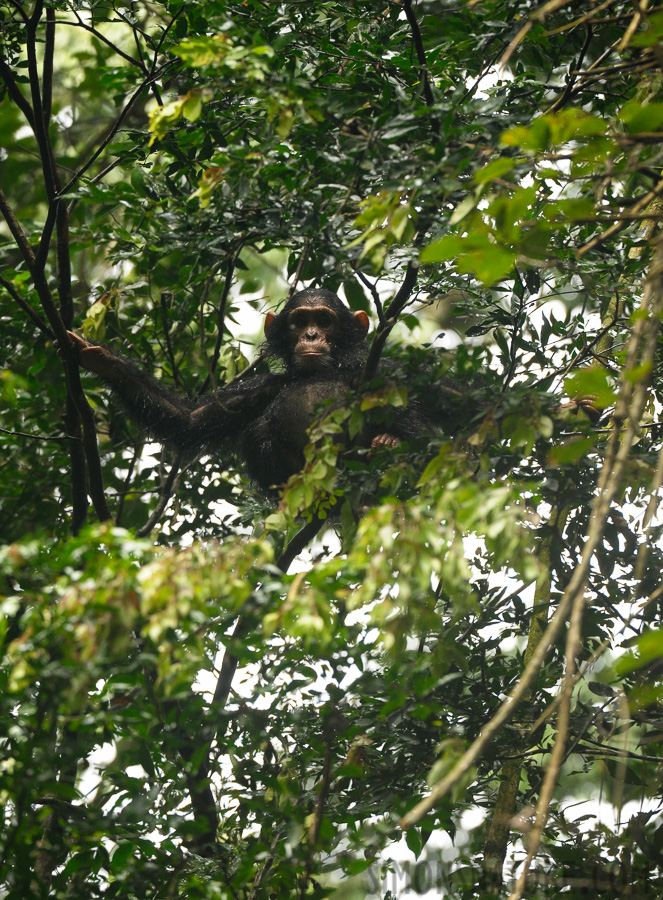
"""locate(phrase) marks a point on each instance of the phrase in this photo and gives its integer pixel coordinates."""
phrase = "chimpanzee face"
(315, 331)
(312, 332)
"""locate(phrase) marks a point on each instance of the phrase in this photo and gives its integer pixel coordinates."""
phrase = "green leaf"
(642, 117)
(442, 249)
(649, 647)
(121, 856)
(495, 169)
(593, 381)
(490, 265)
(571, 451)
(192, 106)
(414, 842)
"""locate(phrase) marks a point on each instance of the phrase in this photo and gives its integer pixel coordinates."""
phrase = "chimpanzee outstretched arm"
(170, 417)
(162, 413)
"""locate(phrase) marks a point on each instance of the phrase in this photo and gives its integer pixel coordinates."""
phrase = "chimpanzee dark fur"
(262, 419)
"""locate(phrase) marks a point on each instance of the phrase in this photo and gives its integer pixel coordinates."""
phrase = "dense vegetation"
(447, 652)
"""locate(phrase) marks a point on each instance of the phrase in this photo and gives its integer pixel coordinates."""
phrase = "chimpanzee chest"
(273, 446)
(294, 408)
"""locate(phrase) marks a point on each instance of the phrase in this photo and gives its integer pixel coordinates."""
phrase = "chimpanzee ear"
(269, 318)
(362, 320)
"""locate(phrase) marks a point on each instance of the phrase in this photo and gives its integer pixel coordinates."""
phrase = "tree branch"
(17, 232)
(51, 181)
(15, 93)
(169, 486)
(629, 407)
(421, 58)
(25, 306)
(19, 9)
(79, 23)
(497, 838)
(113, 131)
(47, 77)
(608, 233)
(391, 315)
(220, 323)
(39, 437)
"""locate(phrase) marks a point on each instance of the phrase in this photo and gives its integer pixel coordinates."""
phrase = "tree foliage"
(473, 635)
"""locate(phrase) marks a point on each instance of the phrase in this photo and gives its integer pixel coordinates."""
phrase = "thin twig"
(608, 233)
(40, 437)
(25, 306)
(15, 93)
(100, 36)
(515, 333)
(19, 9)
(568, 90)
(220, 322)
(114, 129)
(573, 643)
(630, 404)
(314, 830)
(590, 18)
(300, 268)
(17, 232)
(374, 293)
(423, 65)
(169, 488)
(122, 494)
(391, 315)
(164, 297)
(537, 16)
(633, 25)
(248, 370)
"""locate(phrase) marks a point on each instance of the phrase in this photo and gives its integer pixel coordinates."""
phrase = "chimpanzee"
(263, 419)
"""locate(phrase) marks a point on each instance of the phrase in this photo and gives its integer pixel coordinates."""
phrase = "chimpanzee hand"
(384, 440)
(586, 405)
(93, 357)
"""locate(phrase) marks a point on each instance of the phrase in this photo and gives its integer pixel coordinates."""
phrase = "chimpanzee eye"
(297, 321)
(324, 320)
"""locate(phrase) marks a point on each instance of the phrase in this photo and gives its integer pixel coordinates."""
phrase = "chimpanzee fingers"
(585, 404)
(93, 357)
(384, 440)
(59, 344)
(78, 341)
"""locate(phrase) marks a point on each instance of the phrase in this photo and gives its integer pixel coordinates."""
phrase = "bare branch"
(39, 437)
(391, 315)
(374, 293)
(15, 93)
(165, 34)
(79, 23)
(113, 131)
(609, 232)
(25, 306)
(168, 489)
(220, 323)
(19, 9)
(17, 232)
(47, 79)
(630, 404)
(537, 16)
(421, 58)
(51, 180)
(568, 90)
